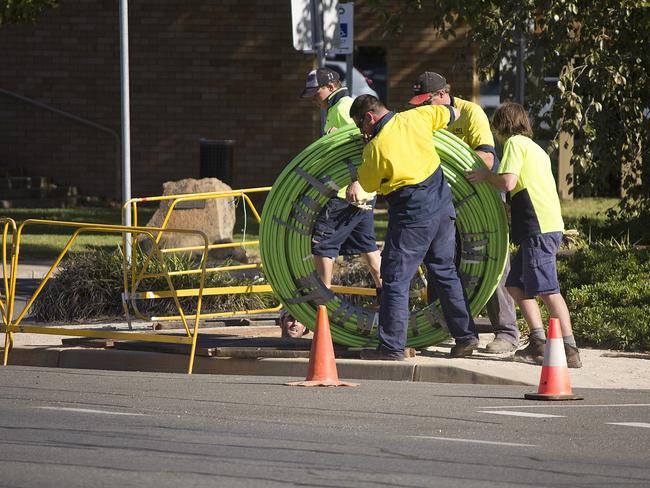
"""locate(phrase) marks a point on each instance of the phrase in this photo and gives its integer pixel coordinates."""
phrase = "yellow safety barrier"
(10, 325)
(135, 273)
(6, 297)
(133, 206)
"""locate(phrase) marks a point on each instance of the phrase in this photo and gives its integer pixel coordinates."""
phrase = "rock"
(215, 217)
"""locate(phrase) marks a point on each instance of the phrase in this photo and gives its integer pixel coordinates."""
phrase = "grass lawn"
(587, 215)
(594, 209)
(42, 242)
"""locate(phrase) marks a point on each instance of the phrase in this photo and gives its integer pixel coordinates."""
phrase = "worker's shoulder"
(345, 101)
(468, 107)
(527, 145)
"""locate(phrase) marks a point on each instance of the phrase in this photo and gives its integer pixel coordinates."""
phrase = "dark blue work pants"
(408, 244)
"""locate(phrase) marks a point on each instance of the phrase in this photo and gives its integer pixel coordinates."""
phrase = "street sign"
(344, 40)
(303, 26)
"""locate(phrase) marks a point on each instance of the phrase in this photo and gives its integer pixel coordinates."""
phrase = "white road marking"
(643, 425)
(573, 405)
(88, 410)
(520, 414)
(473, 441)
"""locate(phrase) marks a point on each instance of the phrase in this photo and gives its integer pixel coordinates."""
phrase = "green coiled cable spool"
(313, 177)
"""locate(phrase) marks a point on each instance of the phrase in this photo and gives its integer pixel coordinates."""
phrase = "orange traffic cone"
(322, 366)
(554, 383)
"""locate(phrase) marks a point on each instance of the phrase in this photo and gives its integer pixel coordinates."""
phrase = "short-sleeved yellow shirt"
(534, 200)
(403, 153)
(473, 126)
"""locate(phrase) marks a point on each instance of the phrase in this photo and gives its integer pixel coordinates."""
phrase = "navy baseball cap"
(317, 78)
(426, 84)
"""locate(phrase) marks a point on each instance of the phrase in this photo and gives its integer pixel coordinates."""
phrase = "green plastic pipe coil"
(313, 177)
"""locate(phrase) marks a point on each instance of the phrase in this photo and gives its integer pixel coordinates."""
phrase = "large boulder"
(214, 216)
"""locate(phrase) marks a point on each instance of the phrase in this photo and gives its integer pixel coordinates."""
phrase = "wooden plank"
(228, 346)
(257, 352)
(88, 342)
(240, 346)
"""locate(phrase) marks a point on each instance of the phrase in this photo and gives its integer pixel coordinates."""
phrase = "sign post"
(346, 39)
(126, 120)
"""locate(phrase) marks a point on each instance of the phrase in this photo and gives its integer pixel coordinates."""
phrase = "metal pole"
(521, 74)
(319, 45)
(126, 119)
(349, 59)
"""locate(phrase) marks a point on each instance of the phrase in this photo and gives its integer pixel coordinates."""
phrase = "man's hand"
(502, 182)
(354, 192)
(477, 175)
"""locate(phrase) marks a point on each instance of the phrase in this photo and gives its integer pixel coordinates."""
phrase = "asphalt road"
(83, 428)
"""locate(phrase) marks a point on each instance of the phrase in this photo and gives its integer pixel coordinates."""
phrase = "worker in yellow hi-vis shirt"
(400, 161)
(537, 227)
(473, 127)
(341, 228)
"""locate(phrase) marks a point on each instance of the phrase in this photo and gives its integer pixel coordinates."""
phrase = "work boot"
(463, 349)
(533, 353)
(380, 355)
(499, 346)
(572, 356)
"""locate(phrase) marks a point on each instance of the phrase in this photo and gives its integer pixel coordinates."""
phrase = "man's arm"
(479, 136)
(370, 173)
(502, 182)
(487, 157)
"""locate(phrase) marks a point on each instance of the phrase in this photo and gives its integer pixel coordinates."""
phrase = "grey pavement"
(601, 368)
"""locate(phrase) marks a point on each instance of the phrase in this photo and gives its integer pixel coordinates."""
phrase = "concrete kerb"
(124, 360)
(599, 371)
(431, 366)
(602, 369)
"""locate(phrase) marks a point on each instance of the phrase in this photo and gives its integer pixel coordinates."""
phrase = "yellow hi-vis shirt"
(472, 126)
(535, 205)
(338, 115)
(403, 153)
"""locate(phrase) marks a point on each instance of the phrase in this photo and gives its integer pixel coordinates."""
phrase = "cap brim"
(309, 92)
(420, 99)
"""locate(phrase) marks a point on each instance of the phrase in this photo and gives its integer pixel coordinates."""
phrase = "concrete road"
(85, 428)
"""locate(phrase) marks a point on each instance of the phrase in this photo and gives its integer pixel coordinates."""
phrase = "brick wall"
(218, 70)
(415, 50)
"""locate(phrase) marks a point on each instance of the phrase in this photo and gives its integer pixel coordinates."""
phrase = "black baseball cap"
(426, 84)
(317, 78)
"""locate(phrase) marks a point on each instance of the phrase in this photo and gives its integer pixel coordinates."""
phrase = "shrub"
(608, 293)
(602, 263)
(354, 272)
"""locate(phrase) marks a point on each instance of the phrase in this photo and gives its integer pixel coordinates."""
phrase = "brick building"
(216, 70)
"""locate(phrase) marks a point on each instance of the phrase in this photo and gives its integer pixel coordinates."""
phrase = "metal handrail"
(76, 118)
